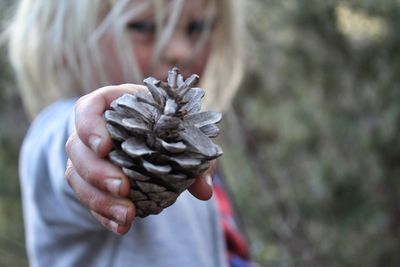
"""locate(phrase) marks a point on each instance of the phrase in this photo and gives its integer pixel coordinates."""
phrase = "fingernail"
(119, 213)
(113, 226)
(94, 143)
(208, 179)
(113, 185)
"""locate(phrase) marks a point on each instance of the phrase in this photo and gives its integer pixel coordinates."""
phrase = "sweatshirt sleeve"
(54, 219)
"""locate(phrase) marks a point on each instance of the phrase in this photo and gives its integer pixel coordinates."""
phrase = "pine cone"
(162, 140)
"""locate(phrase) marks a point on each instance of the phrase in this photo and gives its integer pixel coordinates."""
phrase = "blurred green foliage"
(312, 146)
(12, 127)
(319, 116)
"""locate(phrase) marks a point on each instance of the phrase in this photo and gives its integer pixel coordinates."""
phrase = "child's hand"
(99, 184)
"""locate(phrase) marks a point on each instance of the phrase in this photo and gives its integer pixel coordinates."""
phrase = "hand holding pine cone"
(162, 140)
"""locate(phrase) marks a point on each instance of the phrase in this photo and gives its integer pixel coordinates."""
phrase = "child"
(63, 50)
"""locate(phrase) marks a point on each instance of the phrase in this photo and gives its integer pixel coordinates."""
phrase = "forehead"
(187, 8)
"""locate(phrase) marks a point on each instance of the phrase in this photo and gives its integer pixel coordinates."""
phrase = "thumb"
(202, 187)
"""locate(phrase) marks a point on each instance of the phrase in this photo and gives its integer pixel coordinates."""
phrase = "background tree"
(318, 121)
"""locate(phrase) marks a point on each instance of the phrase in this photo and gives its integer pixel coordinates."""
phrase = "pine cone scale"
(134, 148)
(204, 118)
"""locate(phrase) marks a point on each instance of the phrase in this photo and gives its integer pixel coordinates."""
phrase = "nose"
(178, 50)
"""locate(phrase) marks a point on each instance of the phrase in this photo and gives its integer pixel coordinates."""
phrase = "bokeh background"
(312, 142)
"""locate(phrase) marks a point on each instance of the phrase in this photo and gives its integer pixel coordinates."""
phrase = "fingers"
(111, 225)
(116, 214)
(202, 187)
(96, 171)
(89, 121)
(99, 184)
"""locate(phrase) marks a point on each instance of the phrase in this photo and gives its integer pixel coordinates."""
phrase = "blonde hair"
(55, 51)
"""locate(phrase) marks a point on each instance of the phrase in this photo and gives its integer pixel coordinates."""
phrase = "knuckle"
(80, 103)
(92, 175)
(99, 204)
(104, 89)
(79, 110)
(92, 201)
(69, 144)
(80, 124)
(69, 172)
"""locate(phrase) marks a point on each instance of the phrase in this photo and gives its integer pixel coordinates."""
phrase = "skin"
(176, 53)
(98, 184)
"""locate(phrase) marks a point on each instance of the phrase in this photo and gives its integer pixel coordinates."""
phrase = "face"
(179, 48)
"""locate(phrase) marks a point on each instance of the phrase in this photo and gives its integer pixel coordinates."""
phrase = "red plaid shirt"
(237, 250)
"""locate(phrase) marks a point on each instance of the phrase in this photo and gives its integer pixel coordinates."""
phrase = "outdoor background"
(312, 145)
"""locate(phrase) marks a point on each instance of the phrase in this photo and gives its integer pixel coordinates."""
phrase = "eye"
(145, 27)
(197, 27)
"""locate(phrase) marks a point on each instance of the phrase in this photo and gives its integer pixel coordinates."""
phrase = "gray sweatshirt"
(61, 232)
